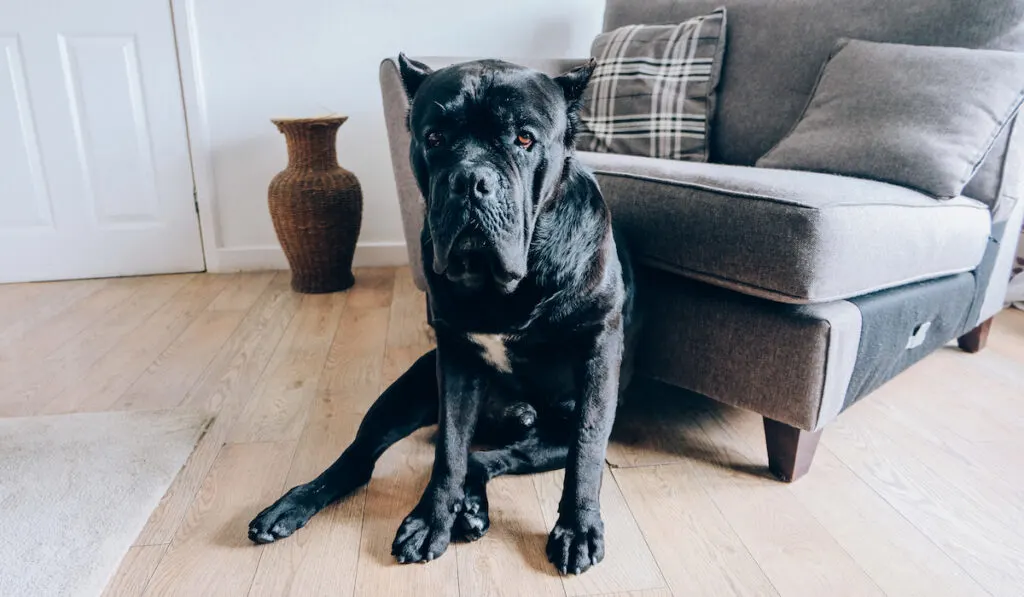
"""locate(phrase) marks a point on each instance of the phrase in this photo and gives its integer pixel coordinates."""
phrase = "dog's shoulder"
(579, 250)
(573, 228)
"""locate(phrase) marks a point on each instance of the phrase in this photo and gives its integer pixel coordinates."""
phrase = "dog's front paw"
(283, 518)
(473, 521)
(575, 547)
(422, 537)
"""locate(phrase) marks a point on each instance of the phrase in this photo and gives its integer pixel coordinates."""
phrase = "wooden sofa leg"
(975, 340)
(790, 450)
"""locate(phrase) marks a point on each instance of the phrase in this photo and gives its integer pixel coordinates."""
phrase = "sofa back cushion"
(923, 117)
(653, 89)
(775, 49)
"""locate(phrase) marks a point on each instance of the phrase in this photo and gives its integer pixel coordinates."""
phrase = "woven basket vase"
(316, 206)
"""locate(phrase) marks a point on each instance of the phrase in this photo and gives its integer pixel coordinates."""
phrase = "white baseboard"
(271, 257)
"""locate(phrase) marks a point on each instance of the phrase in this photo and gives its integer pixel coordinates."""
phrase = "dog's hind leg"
(407, 405)
(530, 455)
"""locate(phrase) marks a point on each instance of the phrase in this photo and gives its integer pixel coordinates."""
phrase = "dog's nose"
(477, 182)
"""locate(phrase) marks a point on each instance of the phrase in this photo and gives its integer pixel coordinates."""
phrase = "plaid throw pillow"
(652, 92)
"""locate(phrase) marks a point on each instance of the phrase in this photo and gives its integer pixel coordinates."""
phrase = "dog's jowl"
(531, 298)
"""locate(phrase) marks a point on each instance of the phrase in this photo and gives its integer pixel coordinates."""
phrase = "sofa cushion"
(653, 89)
(775, 50)
(917, 116)
(791, 236)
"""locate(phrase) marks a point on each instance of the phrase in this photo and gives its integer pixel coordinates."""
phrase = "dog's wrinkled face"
(489, 141)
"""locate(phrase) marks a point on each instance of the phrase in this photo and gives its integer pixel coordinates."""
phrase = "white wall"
(246, 61)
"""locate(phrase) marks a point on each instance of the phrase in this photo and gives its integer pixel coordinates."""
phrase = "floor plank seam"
(27, 393)
(643, 535)
(928, 437)
(359, 541)
(257, 442)
(714, 503)
(233, 420)
(46, 318)
(129, 297)
(458, 577)
(184, 328)
(152, 573)
(321, 379)
(751, 446)
(291, 460)
(143, 370)
(926, 535)
(259, 561)
(114, 345)
(835, 540)
(365, 488)
(201, 376)
(742, 541)
(280, 490)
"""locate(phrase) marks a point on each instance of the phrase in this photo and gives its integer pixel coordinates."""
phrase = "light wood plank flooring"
(918, 490)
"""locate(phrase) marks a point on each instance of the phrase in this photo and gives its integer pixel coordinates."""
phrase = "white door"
(95, 178)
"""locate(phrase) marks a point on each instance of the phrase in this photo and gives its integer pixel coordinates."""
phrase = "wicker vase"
(316, 206)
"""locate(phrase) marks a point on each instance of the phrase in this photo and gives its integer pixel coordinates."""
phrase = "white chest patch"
(495, 351)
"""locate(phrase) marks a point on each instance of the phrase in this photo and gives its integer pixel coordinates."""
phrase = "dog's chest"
(494, 350)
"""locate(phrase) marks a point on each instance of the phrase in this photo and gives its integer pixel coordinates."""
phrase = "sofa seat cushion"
(786, 235)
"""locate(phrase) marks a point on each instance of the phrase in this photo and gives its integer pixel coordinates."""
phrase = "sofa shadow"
(659, 424)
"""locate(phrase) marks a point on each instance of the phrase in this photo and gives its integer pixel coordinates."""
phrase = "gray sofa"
(794, 294)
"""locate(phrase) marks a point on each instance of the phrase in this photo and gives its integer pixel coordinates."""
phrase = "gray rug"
(75, 490)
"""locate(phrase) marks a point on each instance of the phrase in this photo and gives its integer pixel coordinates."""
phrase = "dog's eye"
(434, 139)
(524, 140)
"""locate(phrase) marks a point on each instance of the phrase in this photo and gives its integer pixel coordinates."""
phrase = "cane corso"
(531, 299)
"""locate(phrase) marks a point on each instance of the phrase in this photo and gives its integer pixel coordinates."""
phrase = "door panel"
(95, 178)
(23, 167)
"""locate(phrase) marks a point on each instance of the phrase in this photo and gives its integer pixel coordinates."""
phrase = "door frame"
(197, 127)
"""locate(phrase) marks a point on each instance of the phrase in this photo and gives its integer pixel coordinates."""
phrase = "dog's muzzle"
(465, 252)
(474, 261)
(470, 261)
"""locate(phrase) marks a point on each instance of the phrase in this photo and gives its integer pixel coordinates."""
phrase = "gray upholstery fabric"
(845, 332)
(917, 116)
(1007, 218)
(902, 326)
(988, 179)
(653, 89)
(791, 236)
(799, 364)
(775, 50)
(791, 363)
(396, 106)
(993, 273)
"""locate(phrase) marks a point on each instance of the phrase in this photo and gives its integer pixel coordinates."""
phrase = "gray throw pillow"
(918, 116)
(653, 89)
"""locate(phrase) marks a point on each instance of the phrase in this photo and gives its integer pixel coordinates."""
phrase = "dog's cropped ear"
(574, 83)
(413, 74)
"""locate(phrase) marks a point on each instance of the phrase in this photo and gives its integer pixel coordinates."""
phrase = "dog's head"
(489, 143)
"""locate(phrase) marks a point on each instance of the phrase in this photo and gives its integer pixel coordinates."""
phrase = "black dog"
(532, 303)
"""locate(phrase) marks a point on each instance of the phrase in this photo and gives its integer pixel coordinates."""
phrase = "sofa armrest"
(993, 273)
(396, 106)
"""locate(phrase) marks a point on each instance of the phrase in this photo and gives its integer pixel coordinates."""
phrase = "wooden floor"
(916, 491)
